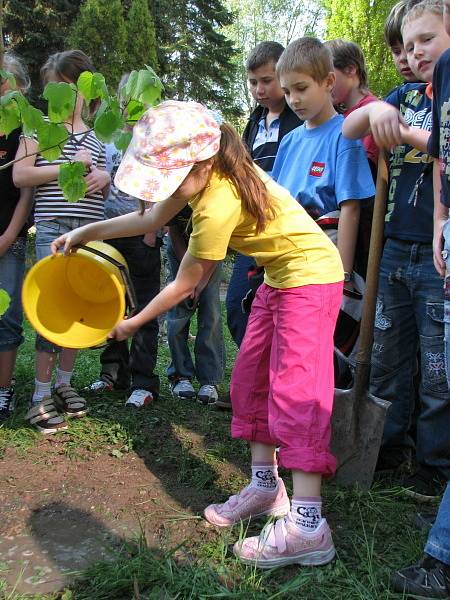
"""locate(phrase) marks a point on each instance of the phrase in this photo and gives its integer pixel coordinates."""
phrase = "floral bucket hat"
(167, 141)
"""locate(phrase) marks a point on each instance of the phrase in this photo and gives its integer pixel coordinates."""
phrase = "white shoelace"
(4, 399)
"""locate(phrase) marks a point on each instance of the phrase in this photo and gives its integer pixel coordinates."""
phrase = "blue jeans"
(46, 232)
(209, 347)
(438, 543)
(410, 315)
(446, 256)
(12, 268)
(134, 366)
(237, 288)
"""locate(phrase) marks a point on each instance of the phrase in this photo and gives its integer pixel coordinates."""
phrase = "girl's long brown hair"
(234, 162)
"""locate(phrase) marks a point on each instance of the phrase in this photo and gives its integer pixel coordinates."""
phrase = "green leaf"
(32, 120)
(134, 111)
(122, 139)
(143, 86)
(61, 98)
(116, 453)
(92, 86)
(9, 117)
(14, 97)
(51, 140)
(107, 123)
(71, 181)
(5, 301)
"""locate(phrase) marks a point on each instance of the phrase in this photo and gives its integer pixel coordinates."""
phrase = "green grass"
(373, 531)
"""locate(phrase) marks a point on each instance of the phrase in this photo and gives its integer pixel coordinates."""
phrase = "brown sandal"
(44, 416)
(68, 401)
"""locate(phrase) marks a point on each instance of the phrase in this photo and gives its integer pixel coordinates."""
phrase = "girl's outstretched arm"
(192, 272)
(125, 226)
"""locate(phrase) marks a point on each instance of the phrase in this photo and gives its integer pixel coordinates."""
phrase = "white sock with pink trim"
(264, 477)
(307, 512)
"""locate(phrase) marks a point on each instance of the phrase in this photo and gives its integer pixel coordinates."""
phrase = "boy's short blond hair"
(435, 7)
(306, 55)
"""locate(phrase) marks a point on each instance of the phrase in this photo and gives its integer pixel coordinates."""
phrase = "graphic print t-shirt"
(409, 214)
(439, 142)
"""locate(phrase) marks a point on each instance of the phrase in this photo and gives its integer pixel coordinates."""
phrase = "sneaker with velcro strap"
(430, 578)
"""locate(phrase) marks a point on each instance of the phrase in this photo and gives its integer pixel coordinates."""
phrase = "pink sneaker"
(281, 543)
(250, 502)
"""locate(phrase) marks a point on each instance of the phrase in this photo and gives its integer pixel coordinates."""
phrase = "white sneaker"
(139, 398)
(99, 386)
(207, 394)
(183, 389)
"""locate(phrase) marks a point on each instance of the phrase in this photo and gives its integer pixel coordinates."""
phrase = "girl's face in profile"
(195, 182)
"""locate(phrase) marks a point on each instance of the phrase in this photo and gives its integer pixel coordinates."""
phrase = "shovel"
(358, 416)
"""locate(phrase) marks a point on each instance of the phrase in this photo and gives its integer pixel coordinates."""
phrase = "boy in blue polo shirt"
(328, 174)
(410, 310)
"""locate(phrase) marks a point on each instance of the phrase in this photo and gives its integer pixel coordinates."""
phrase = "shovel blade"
(357, 431)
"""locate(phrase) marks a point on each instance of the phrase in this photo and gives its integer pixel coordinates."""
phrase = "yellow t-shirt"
(293, 250)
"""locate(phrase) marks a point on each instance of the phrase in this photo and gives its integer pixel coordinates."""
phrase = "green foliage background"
(362, 21)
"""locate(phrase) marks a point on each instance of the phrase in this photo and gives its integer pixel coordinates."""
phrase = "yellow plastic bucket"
(74, 301)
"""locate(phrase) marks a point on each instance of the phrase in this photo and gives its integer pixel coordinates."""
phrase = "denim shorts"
(46, 232)
(12, 269)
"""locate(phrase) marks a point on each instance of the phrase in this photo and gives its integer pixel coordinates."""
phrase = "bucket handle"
(129, 287)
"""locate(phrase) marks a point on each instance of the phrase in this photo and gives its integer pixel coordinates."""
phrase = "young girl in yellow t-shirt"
(282, 382)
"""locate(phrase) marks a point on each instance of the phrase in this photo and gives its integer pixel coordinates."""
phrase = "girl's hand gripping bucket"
(74, 301)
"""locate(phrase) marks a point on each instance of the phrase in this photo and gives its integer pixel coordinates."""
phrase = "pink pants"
(282, 384)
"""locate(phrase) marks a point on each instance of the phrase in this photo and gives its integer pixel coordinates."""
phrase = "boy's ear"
(330, 81)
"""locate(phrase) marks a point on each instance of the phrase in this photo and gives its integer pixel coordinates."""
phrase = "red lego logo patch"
(317, 169)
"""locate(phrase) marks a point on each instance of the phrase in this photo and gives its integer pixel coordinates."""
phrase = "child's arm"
(192, 272)
(417, 138)
(26, 174)
(381, 119)
(18, 220)
(348, 232)
(128, 225)
(440, 218)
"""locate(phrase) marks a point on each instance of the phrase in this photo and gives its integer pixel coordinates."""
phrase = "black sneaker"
(424, 520)
(224, 401)
(425, 484)
(429, 579)
(7, 402)
(394, 460)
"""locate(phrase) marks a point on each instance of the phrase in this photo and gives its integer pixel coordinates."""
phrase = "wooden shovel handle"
(373, 270)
